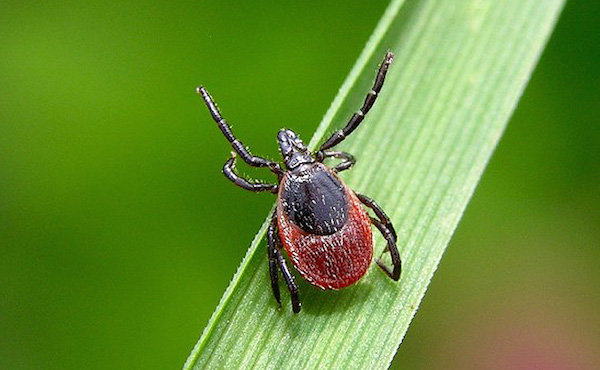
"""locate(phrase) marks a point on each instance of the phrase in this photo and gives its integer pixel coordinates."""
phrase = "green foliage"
(460, 68)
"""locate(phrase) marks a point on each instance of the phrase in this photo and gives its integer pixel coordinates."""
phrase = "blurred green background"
(119, 233)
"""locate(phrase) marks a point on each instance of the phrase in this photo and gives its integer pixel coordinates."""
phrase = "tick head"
(289, 142)
(293, 150)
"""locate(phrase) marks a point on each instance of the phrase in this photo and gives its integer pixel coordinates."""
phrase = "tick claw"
(296, 308)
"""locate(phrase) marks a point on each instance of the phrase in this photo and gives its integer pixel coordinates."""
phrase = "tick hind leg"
(384, 225)
(276, 261)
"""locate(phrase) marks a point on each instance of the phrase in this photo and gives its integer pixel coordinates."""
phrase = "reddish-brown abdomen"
(331, 261)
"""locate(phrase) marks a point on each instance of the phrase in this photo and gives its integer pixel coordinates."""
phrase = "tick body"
(319, 221)
(323, 227)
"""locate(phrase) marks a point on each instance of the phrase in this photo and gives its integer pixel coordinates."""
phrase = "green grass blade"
(460, 68)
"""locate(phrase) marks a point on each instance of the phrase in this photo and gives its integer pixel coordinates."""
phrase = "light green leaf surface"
(459, 71)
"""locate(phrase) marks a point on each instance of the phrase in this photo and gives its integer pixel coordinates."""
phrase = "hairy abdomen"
(331, 261)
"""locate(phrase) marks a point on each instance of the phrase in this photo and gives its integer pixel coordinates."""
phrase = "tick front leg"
(276, 260)
(237, 145)
(229, 172)
(338, 136)
(384, 225)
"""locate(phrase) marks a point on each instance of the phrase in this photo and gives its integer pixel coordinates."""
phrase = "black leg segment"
(276, 260)
(229, 172)
(384, 225)
(391, 246)
(237, 145)
(273, 241)
(289, 280)
(347, 159)
(358, 117)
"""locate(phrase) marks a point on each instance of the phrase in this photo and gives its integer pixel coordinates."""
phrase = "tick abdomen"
(341, 254)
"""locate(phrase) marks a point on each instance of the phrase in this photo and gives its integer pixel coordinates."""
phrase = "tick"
(319, 220)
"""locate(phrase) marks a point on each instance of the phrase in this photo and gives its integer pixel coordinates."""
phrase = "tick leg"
(276, 260)
(273, 241)
(385, 220)
(391, 246)
(384, 225)
(358, 117)
(237, 145)
(229, 172)
(347, 159)
(289, 280)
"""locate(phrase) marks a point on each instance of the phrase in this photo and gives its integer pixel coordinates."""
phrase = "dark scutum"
(314, 199)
